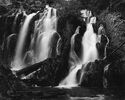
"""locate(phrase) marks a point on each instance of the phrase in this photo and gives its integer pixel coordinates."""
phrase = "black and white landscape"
(62, 49)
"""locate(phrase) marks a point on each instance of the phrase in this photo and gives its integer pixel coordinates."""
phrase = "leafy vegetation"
(115, 30)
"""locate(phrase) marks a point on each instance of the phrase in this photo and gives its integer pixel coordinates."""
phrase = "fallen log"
(29, 69)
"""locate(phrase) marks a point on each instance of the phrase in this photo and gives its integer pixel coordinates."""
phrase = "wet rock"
(101, 74)
(9, 48)
(2, 28)
(8, 82)
(3, 10)
(114, 75)
(92, 74)
(101, 47)
(78, 39)
(47, 73)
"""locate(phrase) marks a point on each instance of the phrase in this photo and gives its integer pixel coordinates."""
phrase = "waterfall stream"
(46, 28)
(18, 59)
(70, 80)
(90, 53)
(41, 45)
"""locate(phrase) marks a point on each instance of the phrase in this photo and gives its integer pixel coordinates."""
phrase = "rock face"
(114, 75)
(93, 74)
(9, 29)
(8, 82)
(49, 73)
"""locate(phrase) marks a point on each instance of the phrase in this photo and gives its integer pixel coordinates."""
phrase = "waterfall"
(90, 53)
(71, 79)
(45, 29)
(18, 59)
(89, 41)
(15, 20)
(42, 40)
(14, 23)
(74, 62)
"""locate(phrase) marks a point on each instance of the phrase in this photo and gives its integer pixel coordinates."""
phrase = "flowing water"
(41, 44)
(90, 53)
(18, 59)
(40, 48)
(15, 20)
(14, 23)
(89, 41)
(70, 80)
(44, 36)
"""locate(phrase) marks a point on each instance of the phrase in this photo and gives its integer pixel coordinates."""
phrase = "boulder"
(92, 74)
(114, 75)
(47, 73)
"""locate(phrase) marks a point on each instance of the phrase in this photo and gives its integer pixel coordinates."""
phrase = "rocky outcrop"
(93, 74)
(48, 73)
(9, 84)
(114, 75)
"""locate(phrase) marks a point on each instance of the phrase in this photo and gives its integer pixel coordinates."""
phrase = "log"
(29, 69)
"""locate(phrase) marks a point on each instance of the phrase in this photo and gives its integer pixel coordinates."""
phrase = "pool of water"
(77, 93)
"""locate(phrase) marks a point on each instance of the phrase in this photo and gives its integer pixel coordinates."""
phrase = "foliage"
(95, 5)
(114, 29)
(69, 7)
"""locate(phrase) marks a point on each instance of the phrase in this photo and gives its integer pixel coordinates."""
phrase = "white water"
(89, 41)
(90, 53)
(41, 45)
(46, 28)
(71, 79)
(41, 41)
(15, 19)
(18, 59)
(74, 61)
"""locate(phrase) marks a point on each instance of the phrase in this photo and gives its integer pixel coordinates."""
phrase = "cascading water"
(18, 59)
(74, 61)
(14, 23)
(14, 27)
(58, 43)
(41, 43)
(89, 41)
(90, 53)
